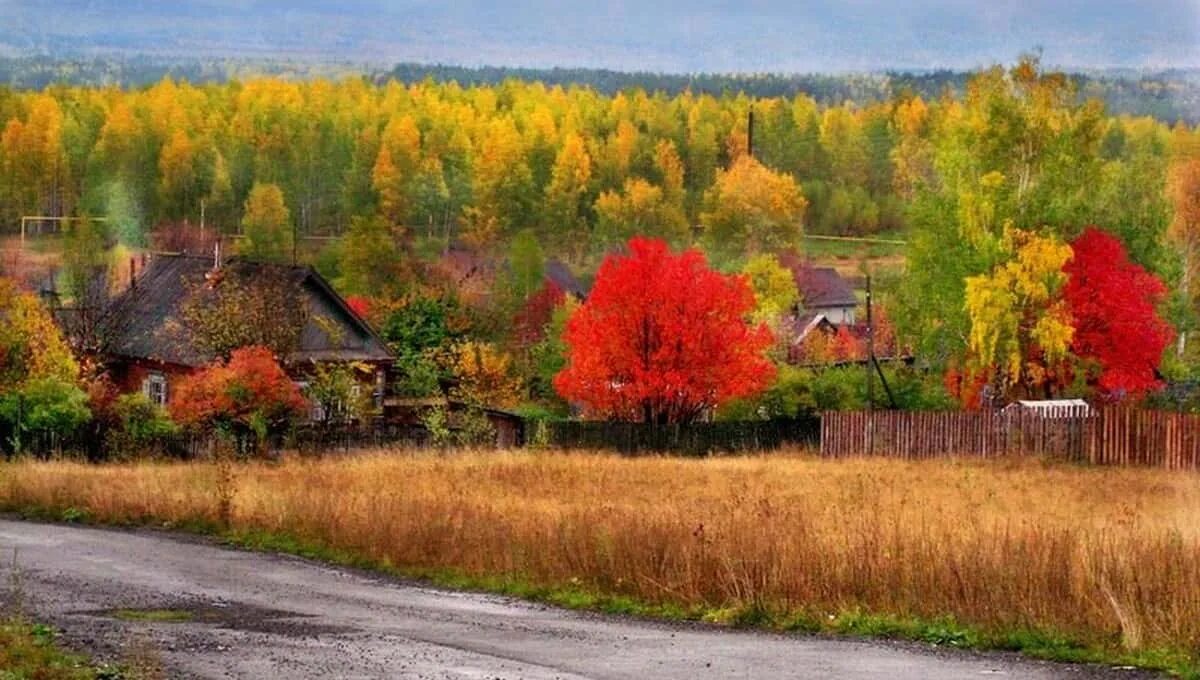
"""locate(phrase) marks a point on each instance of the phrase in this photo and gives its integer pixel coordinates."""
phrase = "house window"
(316, 411)
(380, 388)
(155, 388)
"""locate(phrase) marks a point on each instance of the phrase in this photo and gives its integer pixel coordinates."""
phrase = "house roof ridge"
(145, 315)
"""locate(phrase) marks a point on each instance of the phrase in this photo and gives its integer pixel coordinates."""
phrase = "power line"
(855, 239)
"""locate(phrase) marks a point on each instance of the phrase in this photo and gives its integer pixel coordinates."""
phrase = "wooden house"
(149, 345)
(823, 291)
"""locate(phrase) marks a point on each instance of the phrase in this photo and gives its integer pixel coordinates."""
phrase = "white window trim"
(159, 396)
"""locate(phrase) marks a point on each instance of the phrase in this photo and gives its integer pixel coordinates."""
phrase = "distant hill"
(1134, 54)
(675, 36)
(1168, 95)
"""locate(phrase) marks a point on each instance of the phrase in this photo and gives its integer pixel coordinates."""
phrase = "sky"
(653, 35)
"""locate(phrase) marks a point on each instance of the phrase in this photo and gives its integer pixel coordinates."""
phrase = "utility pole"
(750, 132)
(872, 360)
(296, 232)
(870, 350)
(870, 381)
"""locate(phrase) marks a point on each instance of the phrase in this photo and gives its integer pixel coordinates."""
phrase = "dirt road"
(209, 612)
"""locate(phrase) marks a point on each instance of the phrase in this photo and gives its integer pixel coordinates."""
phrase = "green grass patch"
(855, 250)
(154, 615)
(30, 651)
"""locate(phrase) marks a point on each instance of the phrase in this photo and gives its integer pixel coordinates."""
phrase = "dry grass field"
(1106, 558)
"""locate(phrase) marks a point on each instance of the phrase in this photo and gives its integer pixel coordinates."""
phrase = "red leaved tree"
(966, 386)
(359, 305)
(663, 338)
(1113, 305)
(529, 324)
(248, 395)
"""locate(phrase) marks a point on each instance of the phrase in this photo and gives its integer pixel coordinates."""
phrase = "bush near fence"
(324, 439)
(693, 439)
(90, 444)
(98, 444)
(1106, 436)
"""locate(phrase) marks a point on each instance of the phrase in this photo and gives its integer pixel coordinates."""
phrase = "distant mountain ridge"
(799, 36)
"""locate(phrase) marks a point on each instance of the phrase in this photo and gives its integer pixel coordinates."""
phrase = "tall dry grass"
(1102, 555)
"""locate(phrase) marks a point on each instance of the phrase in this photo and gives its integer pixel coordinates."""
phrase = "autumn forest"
(437, 210)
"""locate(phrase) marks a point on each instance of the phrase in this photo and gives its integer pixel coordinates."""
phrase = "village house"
(149, 345)
(824, 292)
(827, 303)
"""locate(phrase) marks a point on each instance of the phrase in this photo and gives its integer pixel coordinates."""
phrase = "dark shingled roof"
(148, 325)
(560, 275)
(822, 287)
(797, 328)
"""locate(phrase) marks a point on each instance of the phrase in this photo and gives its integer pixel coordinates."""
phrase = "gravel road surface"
(237, 614)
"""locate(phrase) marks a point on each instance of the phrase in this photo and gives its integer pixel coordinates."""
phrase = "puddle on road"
(230, 616)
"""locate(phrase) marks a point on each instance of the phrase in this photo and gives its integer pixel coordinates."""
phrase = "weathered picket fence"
(1107, 436)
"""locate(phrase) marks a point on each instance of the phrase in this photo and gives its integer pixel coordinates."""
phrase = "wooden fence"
(95, 446)
(1114, 436)
(693, 439)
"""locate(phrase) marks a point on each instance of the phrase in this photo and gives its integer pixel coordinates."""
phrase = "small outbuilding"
(1051, 408)
(508, 427)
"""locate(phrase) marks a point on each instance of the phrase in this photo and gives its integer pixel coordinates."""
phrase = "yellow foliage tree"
(396, 167)
(502, 184)
(402, 138)
(641, 209)
(775, 292)
(34, 157)
(843, 139)
(116, 146)
(389, 185)
(668, 162)
(751, 208)
(38, 373)
(220, 191)
(977, 220)
(912, 156)
(178, 187)
(267, 225)
(484, 376)
(31, 346)
(568, 185)
(1183, 188)
(1020, 328)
